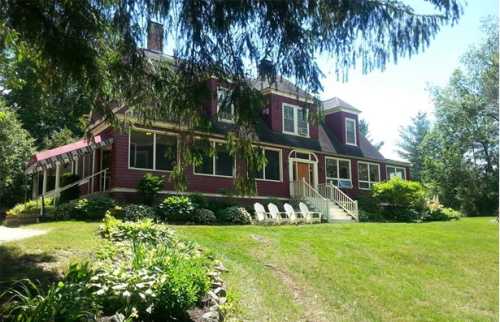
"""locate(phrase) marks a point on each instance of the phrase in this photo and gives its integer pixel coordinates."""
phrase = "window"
(295, 120)
(338, 172)
(225, 110)
(368, 174)
(396, 172)
(272, 170)
(350, 131)
(221, 163)
(152, 151)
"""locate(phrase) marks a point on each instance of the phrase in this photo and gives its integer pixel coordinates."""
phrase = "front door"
(303, 171)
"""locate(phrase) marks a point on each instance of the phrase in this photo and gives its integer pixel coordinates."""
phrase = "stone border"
(217, 295)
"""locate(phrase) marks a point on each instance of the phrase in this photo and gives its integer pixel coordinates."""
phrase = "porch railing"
(303, 190)
(90, 181)
(340, 198)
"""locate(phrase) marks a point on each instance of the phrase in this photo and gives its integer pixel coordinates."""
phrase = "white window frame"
(212, 143)
(395, 167)
(338, 170)
(347, 120)
(264, 169)
(296, 109)
(219, 117)
(370, 183)
(154, 132)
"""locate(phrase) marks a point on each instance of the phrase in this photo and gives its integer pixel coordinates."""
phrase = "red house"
(328, 163)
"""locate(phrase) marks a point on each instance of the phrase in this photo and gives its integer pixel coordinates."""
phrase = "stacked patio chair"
(295, 217)
(275, 216)
(310, 216)
(279, 216)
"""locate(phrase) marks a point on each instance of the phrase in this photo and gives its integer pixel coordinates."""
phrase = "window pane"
(207, 165)
(344, 172)
(350, 131)
(374, 173)
(224, 163)
(226, 111)
(331, 168)
(288, 117)
(400, 173)
(141, 150)
(273, 165)
(333, 181)
(302, 122)
(166, 152)
(364, 185)
(363, 172)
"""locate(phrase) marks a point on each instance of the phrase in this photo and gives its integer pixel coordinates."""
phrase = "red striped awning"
(48, 158)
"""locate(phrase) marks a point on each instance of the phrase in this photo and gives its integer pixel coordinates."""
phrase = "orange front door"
(303, 171)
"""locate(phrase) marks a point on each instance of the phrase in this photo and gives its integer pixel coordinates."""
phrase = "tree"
(96, 44)
(461, 151)
(365, 131)
(16, 146)
(411, 138)
(58, 138)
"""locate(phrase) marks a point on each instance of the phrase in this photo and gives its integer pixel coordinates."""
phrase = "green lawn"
(328, 272)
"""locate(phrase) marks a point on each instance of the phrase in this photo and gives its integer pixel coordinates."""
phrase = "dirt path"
(303, 296)
(11, 234)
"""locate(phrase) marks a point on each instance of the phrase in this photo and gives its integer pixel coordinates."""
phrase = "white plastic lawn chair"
(310, 216)
(261, 214)
(295, 217)
(278, 216)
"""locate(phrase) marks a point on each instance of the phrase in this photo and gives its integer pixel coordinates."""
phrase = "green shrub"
(70, 193)
(137, 212)
(176, 209)
(437, 212)
(203, 216)
(234, 215)
(68, 300)
(93, 208)
(199, 201)
(31, 207)
(149, 187)
(144, 230)
(399, 200)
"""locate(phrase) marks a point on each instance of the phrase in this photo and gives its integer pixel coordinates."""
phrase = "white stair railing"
(303, 190)
(340, 198)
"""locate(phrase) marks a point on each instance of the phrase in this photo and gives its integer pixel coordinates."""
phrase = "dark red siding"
(336, 122)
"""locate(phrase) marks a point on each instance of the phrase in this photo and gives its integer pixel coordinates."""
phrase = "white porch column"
(76, 165)
(35, 192)
(93, 171)
(58, 178)
(44, 183)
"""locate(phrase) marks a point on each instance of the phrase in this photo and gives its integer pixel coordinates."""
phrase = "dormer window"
(225, 109)
(350, 131)
(295, 120)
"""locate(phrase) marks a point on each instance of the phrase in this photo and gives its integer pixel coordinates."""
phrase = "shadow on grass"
(16, 265)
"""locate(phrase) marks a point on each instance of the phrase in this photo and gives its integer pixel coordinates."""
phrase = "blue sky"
(390, 98)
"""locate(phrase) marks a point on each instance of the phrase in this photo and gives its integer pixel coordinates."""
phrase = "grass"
(357, 272)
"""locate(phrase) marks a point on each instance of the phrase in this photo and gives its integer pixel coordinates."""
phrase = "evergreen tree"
(411, 138)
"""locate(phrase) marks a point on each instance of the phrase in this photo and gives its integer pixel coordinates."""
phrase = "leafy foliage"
(68, 300)
(176, 209)
(92, 208)
(461, 151)
(235, 215)
(410, 147)
(31, 207)
(148, 188)
(16, 147)
(137, 212)
(435, 211)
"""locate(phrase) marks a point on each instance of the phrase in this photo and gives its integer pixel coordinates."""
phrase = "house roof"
(336, 104)
(282, 85)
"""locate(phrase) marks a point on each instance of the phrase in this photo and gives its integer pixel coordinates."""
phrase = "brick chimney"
(155, 36)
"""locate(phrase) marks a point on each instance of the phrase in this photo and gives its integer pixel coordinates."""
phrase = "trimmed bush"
(31, 208)
(138, 212)
(399, 200)
(235, 215)
(203, 216)
(92, 208)
(176, 209)
(70, 193)
(149, 187)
